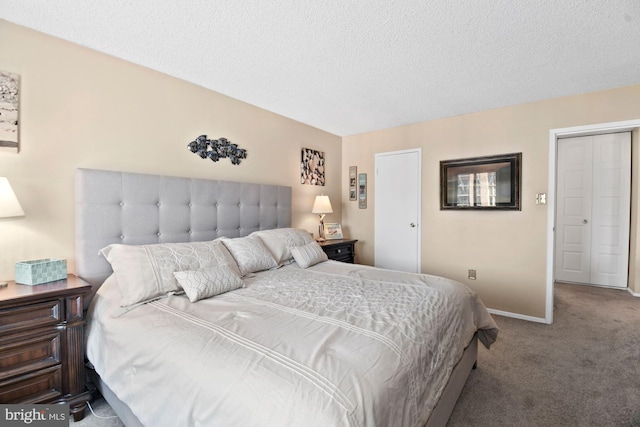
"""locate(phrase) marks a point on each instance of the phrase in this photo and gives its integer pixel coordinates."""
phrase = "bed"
(250, 324)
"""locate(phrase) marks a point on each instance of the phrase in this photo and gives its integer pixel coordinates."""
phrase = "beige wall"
(80, 108)
(508, 249)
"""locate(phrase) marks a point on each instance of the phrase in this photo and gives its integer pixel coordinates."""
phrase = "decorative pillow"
(208, 282)
(309, 254)
(145, 272)
(250, 254)
(279, 241)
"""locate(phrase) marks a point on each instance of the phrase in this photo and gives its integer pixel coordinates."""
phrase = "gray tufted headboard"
(136, 209)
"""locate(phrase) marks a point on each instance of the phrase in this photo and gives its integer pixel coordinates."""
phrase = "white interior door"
(593, 209)
(573, 231)
(611, 209)
(397, 210)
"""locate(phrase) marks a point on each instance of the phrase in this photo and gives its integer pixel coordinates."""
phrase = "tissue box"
(41, 271)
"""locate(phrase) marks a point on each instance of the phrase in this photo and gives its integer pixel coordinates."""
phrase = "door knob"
(584, 221)
(412, 225)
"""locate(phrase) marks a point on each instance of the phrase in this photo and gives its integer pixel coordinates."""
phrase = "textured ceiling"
(349, 67)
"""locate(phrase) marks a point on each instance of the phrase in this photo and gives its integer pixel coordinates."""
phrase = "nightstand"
(42, 344)
(340, 250)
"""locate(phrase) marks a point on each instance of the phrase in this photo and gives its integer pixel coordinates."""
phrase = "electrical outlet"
(472, 274)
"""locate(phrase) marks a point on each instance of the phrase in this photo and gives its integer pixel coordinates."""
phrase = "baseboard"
(635, 294)
(539, 319)
(628, 289)
(518, 316)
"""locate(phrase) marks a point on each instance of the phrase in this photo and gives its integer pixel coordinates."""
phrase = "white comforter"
(333, 345)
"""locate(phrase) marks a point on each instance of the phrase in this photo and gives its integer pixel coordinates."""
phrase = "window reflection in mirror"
(482, 182)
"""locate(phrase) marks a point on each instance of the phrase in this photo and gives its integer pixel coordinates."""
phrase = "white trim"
(554, 134)
(517, 316)
(635, 294)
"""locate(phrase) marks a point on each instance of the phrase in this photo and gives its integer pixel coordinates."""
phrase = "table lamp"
(322, 206)
(9, 205)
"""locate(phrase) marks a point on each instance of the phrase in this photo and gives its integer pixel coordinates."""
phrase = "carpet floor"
(583, 370)
(99, 415)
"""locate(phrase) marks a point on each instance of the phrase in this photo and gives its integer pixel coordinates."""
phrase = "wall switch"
(541, 199)
(472, 274)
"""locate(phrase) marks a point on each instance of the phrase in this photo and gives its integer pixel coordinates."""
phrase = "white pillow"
(208, 282)
(250, 254)
(309, 254)
(279, 241)
(146, 272)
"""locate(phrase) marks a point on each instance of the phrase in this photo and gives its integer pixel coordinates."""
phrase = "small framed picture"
(353, 174)
(362, 191)
(332, 231)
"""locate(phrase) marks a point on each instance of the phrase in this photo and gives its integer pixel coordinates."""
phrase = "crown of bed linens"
(135, 209)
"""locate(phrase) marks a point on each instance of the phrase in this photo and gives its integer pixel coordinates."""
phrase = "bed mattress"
(331, 345)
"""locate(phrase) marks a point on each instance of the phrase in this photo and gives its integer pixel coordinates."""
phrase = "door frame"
(554, 134)
(417, 150)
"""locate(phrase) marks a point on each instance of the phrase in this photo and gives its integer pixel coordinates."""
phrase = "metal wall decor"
(216, 149)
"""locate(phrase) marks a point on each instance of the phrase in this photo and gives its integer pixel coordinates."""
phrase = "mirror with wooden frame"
(481, 183)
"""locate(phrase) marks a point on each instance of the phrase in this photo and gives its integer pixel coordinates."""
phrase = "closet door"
(611, 209)
(574, 192)
(593, 209)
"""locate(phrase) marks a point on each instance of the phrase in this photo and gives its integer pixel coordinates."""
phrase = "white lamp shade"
(9, 205)
(322, 205)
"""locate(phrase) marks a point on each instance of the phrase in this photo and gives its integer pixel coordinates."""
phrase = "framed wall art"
(362, 191)
(353, 185)
(312, 167)
(9, 98)
(481, 183)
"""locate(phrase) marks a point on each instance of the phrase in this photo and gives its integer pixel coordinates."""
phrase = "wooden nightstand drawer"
(339, 254)
(20, 354)
(339, 250)
(30, 316)
(42, 344)
(36, 387)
